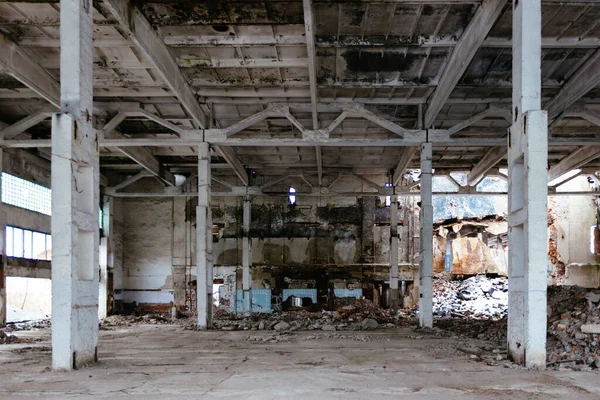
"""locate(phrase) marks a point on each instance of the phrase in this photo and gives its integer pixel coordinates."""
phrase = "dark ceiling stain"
(219, 12)
(357, 61)
(428, 10)
(356, 15)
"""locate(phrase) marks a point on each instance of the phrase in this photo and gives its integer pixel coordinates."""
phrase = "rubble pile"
(11, 339)
(489, 330)
(573, 328)
(350, 314)
(477, 297)
(113, 321)
(28, 325)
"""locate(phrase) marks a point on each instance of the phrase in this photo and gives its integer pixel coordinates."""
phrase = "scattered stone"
(328, 327)
(281, 326)
(369, 324)
(590, 328)
(477, 297)
(228, 328)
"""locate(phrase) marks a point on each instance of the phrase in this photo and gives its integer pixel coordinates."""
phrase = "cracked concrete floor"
(166, 362)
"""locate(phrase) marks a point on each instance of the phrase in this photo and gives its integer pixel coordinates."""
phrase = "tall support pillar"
(105, 256)
(115, 256)
(527, 193)
(204, 261)
(3, 307)
(247, 255)
(394, 255)
(75, 197)
(426, 259)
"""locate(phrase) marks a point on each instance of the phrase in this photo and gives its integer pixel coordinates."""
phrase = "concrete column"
(394, 255)
(115, 256)
(105, 257)
(75, 197)
(247, 255)
(204, 261)
(2, 254)
(527, 193)
(426, 259)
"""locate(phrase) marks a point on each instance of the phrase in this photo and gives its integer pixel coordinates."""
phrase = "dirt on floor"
(160, 361)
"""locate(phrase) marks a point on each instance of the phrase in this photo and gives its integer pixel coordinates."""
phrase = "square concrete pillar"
(204, 260)
(426, 259)
(105, 257)
(247, 255)
(75, 197)
(394, 255)
(527, 193)
(115, 255)
(3, 309)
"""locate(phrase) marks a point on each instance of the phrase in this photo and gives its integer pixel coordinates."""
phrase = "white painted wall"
(147, 250)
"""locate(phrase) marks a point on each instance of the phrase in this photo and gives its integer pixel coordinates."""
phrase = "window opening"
(25, 194)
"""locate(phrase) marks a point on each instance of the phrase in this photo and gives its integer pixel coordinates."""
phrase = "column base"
(2, 307)
(394, 301)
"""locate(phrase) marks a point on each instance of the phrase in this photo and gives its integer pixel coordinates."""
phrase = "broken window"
(25, 194)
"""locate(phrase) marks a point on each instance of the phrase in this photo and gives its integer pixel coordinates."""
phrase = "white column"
(394, 255)
(75, 197)
(2, 254)
(247, 255)
(426, 259)
(104, 257)
(204, 262)
(115, 256)
(527, 193)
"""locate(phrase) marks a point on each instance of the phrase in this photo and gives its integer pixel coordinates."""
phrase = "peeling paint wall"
(159, 242)
(311, 233)
(147, 239)
(571, 261)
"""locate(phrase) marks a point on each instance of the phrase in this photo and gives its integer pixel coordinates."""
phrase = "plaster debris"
(350, 315)
(113, 321)
(573, 316)
(11, 339)
(478, 297)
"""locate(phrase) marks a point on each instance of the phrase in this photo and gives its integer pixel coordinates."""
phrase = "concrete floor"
(167, 362)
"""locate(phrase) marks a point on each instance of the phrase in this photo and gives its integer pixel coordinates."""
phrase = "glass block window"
(25, 194)
(23, 243)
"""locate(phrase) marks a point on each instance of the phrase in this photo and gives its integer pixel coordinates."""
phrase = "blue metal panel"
(310, 293)
(261, 301)
(356, 293)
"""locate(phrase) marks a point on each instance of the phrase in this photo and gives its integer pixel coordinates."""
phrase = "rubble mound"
(477, 297)
(489, 330)
(573, 328)
(114, 321)
(10, 339)
(350, 314)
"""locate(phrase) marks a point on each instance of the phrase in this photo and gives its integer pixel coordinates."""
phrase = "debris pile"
(113, 321)
(573, 334)
(350, 315)
(478, 297)
(573, 328)
(489, 330)
(28, 325)
(11, 339)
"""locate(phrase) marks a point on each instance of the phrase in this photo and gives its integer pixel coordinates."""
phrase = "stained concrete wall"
(159, 240)
(571, 236)
(147, 251)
